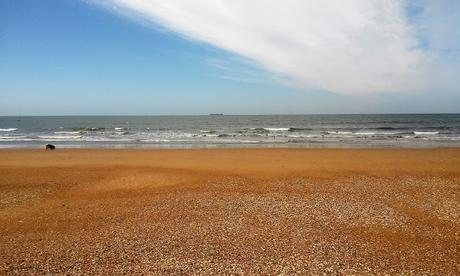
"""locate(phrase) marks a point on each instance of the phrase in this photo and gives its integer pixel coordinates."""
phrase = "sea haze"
(372, 130)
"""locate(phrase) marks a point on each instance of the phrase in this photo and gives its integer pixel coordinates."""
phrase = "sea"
(214, 131)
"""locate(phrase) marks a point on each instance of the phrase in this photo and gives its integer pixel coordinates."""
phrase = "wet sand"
(247, 211)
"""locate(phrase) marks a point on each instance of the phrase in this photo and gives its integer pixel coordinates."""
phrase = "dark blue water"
(391, 130)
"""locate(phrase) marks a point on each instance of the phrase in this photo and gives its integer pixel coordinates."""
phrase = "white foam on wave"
(108, 139)
(8, 129)
(11, 137)
(366, 133)
(155, 141)
(339, 132)
(15, 138)
(66, 132)
(57, 137)
(371, 133)
(276, 128)
(426, 132)
(303, 136)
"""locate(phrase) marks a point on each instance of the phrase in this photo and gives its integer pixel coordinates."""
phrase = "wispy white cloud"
(240, 70)
(348, 47)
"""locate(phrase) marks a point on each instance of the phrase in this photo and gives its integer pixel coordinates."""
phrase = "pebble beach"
(230, 211)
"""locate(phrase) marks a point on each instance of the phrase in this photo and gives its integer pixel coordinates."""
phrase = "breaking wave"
(8, 129)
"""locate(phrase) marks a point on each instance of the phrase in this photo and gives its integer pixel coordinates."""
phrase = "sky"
(182, 57)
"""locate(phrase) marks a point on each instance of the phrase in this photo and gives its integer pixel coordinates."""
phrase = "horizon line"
(215, 114)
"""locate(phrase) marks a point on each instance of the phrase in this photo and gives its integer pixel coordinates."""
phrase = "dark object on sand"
(50, 147)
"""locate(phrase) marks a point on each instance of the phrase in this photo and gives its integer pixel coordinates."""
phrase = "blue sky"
(67, 57)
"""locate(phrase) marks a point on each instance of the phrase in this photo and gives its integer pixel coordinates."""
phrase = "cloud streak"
(350, 47)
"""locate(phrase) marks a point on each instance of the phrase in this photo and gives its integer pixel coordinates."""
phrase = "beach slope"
(255, 211)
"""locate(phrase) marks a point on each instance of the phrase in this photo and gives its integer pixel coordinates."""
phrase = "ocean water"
(372, 130)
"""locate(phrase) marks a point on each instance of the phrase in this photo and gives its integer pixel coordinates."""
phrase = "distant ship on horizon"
(216, 114)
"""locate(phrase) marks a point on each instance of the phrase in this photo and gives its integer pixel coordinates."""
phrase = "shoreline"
(179, 146)
(236, 149)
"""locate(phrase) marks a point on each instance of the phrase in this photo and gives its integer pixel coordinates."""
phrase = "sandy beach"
(245, 211)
